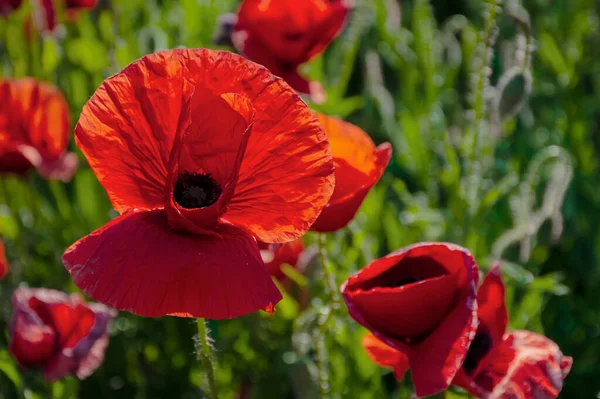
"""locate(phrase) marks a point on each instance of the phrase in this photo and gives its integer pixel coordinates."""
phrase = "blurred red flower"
(3, 261)
(199, 150)
(358, 166)
(498, 365)
(276, 255)
(421, 301)
(34, 128)
(282, 34)
(58, 332)
(8, 6)
(45, 12)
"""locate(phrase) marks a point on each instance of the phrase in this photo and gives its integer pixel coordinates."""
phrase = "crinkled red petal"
(127, 129)
(137, 263)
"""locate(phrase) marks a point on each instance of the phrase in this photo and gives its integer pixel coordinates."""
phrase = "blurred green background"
(493, 114)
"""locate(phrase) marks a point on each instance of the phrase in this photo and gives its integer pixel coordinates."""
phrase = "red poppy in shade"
(200, 151)
(3, 261)
(282, 34)
(276, 255)
(358, 166)
(8, 6)
(520, 364)
(421, 301)
(34, 128)
(58, 332)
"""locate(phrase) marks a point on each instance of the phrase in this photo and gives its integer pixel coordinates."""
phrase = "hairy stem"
(206, 357)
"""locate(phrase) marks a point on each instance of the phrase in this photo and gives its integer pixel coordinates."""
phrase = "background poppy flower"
(34, 126)
(58, 332)
(3, 261)
(200, 151)
(276, 255)
(520, 364)
(8, 6)
(281, 34)
(45, 12)
(421, 301)
(358, 166)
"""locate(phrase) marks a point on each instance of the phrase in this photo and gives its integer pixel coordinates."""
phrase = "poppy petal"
(196, 153)
(8, 6)
(126, 130)
(136, 263)
(358, 166)
(276, 255)
(526, 366)
(385, 356)
(286, 176)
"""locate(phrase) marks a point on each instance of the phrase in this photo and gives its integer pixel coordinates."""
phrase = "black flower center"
(405, 280)
(196, 190)
(481, 345)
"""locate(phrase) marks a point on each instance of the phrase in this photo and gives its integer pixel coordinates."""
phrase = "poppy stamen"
(196, 190)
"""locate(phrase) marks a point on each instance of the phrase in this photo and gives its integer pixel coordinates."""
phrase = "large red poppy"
(34, 127)
(358, 166)
(8, 6)
(3, 261)
(276, 255)
(282, 34)
(421, 301)
(199, 150)
(498, 365)
(58, 332)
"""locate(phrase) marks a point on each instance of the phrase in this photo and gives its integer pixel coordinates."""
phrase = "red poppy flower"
(3, 261)
(199, 150)
(276, 255)
(421, 301)
(34, 127)
(282, 34)
(58, 332)
(76, 4)
(8, 6)
(520, 364)
(358, 166)
(45, 12)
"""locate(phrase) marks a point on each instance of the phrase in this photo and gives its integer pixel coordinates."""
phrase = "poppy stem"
(206, 358)
(327, 269)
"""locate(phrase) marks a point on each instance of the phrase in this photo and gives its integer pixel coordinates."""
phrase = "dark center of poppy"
(481, 345)
(296, 36)
(196, 190)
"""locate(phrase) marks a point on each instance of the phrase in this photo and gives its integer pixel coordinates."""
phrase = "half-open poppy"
(8, 6)
(58, 332)
(200, 151)
(276, 255)
(421, 301)
(358, 166)
(3, 261)
(498, 365)
(282, 34)
(34, 127)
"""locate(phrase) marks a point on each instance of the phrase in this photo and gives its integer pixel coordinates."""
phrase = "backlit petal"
(385, 356)
(137, 263)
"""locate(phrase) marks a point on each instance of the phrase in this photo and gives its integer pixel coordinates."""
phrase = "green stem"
(328, 271)
(206, 357)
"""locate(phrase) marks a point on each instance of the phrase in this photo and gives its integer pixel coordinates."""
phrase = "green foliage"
(493, 116)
